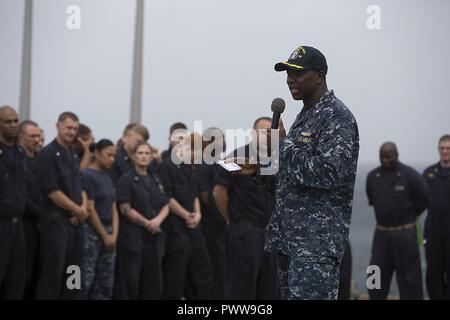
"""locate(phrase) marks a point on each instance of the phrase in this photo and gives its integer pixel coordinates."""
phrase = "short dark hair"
(102, 144)
(68, 115)
(255, 124)
(24, 124)
(176, 126)
(84, 130)
(445, 137)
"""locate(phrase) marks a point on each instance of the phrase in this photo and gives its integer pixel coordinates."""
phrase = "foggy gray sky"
(213, 61)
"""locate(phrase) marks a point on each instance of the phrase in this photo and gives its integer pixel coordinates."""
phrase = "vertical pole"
(136, 85)
(25, 78)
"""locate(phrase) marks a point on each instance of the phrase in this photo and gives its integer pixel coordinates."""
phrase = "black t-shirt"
(58, 168)
(99, 188)
(397, 195)
(247, 200)
(9, 152)
(34, 198)
(207, 174)
(438, 180)
(142, 192)
(180, 182)
(13, 181)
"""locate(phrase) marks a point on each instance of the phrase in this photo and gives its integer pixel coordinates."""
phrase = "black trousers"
(397, 251)
(61, 249)
(138, 274)
(214, 231)
(345, 274)
(250, 273)
(32, 240)
(199, 272)
(186, 265)
(437, 252)
(12, 259)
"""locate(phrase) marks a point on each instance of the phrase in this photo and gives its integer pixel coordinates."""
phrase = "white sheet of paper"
(229, 166)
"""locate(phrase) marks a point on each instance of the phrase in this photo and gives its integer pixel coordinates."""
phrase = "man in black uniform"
(65, 208)
(81, 145)
(29, 140)
(177, 126)
(399, 195)
(13, 190)
(213, 225)
(250, 272)
(186, 265)
(437, 225)
(133, 134)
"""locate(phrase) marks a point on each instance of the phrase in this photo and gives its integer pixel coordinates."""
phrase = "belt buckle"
(15, 220)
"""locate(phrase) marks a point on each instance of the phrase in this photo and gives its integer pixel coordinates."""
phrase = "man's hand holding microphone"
(247, 168)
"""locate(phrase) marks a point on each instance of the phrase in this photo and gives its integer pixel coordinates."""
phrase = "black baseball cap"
(304, 58)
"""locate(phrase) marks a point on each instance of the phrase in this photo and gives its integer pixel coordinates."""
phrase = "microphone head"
(278, 105)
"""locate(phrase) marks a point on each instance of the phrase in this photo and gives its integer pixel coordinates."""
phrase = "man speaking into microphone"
(314, 185)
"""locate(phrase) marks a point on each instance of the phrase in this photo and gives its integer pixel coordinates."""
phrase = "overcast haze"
(213, 61)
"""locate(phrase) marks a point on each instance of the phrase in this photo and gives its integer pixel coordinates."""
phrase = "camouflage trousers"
(308, 277)
(98, 266)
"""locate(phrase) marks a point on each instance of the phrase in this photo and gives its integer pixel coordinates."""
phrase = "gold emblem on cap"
(297, 53)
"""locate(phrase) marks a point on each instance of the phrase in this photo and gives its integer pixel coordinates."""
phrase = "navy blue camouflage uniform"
(314, 191)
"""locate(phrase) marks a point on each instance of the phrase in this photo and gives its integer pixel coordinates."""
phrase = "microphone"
(277, 107)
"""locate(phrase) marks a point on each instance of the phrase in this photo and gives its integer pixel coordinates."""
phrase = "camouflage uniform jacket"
(315, 182)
